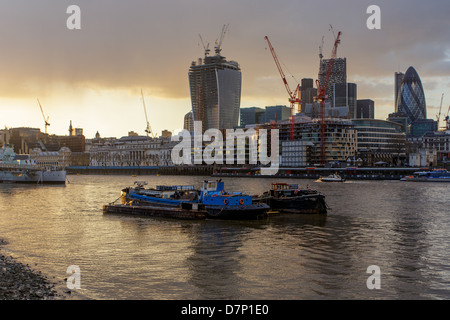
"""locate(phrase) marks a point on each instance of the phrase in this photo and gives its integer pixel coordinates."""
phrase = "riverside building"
(340, 143)
(380, 141)
(132, 151)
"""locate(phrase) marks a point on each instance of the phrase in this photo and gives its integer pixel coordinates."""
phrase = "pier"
(198, 170)
(348, 173)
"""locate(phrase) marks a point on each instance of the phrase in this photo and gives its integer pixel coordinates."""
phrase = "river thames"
(400, 227)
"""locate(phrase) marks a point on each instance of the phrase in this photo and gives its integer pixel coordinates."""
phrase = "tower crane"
(148, 130)
(43, 115)
(440, 109)
(321, 91)
(218, 46)
(447, 118)
(293, 95)
(321, 50)
(206, 48)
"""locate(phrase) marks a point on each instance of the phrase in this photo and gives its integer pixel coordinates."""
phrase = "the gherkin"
(411, 98)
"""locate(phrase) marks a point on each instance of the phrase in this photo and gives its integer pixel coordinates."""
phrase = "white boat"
(13, 171)
(332, 178)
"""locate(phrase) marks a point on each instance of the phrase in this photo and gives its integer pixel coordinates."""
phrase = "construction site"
(327, 139)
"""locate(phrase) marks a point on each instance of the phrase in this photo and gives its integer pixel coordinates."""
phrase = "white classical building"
(132, 151)
(60, 159)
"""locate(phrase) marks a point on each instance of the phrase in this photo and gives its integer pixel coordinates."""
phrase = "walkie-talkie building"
(215, 85)
(411, 98)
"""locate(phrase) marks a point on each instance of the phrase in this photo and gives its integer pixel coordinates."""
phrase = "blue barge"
(212, 198)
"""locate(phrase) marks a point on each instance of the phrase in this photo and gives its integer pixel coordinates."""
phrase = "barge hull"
(153, 211)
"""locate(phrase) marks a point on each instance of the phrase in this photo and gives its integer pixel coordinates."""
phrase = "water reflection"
(402, 228)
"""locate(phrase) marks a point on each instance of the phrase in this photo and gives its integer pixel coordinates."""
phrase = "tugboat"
(220, 204)
(217, 203)
(289, 198)
(438, 175)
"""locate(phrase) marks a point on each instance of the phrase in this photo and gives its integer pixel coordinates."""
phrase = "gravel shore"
(20, 282)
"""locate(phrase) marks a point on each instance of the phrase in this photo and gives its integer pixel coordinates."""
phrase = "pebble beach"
(21, 282)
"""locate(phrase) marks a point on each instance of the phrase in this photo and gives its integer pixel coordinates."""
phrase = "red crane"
(321, 91)
(293, 95)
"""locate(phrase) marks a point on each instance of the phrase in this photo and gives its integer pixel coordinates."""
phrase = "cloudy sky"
(94, 76)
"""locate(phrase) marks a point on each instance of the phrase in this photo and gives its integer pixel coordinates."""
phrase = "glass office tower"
(215, 86)
(411, 97)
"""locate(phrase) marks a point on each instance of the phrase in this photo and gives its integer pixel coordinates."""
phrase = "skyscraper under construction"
(215, 86)
(338, 75)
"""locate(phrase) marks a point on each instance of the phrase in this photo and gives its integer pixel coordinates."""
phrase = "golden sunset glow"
(93, 76)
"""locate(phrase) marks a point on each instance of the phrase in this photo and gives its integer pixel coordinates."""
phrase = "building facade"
(411, 97)
(419, 127)
(252, 115)
(48, 159)
(398, 78)
(307, 93)
(340, 138)
(132, 151)
(344, 95)
(215, 86)
(365, 109)
(380, 141)
(440, 142)
(338, 75)
(189, 122)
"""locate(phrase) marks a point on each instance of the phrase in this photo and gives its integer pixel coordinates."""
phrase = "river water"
(401, 227)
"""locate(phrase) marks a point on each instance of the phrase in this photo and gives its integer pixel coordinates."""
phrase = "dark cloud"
(133, 44)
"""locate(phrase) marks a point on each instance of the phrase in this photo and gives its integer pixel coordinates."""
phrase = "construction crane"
(218, 46)
(440, 109)
(148, 130)
(43, 115)
(321, 92)
(206, 48)
(447, 119)
(293, 95)
(321, 50)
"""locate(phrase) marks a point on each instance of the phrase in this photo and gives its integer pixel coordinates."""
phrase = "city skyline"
(94, 76)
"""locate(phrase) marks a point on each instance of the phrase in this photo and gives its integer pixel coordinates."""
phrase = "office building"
(380, 141)
(338, 75)
(253, 115)
(277, 113)
(411, 97)
(189, 122)
(345, 96)
(401, 118)
(398, 78)
(419, 127)
(365, 109)
(340, 138)
(307, 93)
(215, 86)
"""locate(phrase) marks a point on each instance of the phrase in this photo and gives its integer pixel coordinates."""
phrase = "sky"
(93, 76)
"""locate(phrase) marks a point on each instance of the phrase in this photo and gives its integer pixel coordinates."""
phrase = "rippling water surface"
(399, 226)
